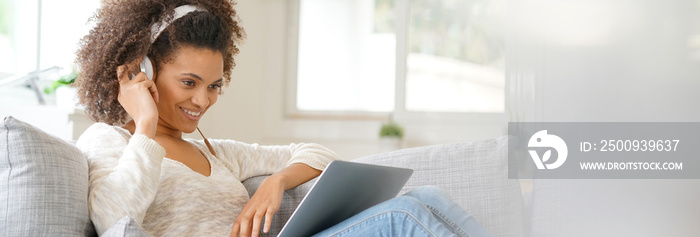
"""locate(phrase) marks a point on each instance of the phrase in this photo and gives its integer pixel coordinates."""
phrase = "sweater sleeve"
(249, 160)
(124, 173)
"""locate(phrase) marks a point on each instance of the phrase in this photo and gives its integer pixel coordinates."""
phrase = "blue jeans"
(424, 211)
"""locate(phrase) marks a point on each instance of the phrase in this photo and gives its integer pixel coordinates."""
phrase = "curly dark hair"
(123, 34)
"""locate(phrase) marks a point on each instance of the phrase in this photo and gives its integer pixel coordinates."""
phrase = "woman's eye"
(188, 83)
(215, 86)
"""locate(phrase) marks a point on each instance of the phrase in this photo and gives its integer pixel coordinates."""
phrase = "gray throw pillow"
(474, 174)
(43, 184)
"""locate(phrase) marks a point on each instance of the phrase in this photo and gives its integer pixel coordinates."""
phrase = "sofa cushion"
(43, 184)
(475, 174)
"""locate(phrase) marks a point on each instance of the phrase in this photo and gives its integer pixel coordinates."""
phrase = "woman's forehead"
(203, 62)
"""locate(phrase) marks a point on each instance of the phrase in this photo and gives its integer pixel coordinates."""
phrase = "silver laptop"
(343, 190)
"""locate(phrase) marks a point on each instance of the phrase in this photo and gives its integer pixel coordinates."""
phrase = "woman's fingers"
(263, 204)
(138, 96)
(121, 75)
(268, 220)
(245, 225)
(236, 229)
(249, 221)
(256, 223)
(152, 88)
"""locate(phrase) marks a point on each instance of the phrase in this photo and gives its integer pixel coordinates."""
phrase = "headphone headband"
(179, 12)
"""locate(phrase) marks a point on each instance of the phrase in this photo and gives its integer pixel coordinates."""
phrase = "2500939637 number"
(639, 145)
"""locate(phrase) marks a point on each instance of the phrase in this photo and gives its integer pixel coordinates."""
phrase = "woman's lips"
(194, 116)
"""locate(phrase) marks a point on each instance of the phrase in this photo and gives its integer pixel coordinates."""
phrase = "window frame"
(402, 10)
(39, 36)
(30, 43)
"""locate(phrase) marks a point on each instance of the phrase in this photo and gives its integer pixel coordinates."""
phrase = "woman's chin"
(189, 130)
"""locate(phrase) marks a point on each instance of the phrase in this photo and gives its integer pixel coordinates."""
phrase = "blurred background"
(365, 76)
(334, 72)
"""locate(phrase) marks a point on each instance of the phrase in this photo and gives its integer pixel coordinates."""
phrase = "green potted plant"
(390, 136)
(66, 80)
(65, 93)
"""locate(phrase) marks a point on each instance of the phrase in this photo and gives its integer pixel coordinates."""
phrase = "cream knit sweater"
(130, 176)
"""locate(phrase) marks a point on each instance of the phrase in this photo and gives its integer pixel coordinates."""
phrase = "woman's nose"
(201, 99)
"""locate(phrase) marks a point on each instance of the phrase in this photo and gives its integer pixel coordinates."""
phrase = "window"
(18, 36)
(5, 43)
(381, 56)
(39, 34)
(345, 62)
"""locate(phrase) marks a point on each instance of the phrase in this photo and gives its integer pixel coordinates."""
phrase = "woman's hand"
(265, 203)
(139, 96)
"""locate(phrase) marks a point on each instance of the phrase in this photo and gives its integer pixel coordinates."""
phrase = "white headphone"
(146, 65)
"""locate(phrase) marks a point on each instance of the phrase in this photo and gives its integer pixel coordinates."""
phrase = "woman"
(141, 167)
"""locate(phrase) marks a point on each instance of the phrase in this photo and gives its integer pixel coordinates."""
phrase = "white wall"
(605, 61)
(600, 60)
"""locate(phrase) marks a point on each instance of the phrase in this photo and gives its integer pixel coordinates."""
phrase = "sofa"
(44, 184)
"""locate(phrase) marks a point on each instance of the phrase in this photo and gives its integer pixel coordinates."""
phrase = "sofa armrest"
(290, 201)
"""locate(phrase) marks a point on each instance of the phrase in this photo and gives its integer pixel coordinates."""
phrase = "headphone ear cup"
(147, 67)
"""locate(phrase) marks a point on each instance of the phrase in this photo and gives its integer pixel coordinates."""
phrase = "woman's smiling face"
(187, 86)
